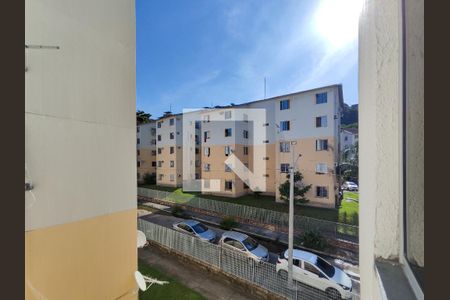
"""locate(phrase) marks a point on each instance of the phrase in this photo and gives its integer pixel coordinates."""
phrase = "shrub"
(257, 194)
(313, 240)
(228, 223)
(177, 211)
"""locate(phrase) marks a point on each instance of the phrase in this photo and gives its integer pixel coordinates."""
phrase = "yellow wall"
(90, 259)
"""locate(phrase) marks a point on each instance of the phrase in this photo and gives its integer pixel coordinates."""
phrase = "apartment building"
(349, 137)
(146, 149)
(80, 214)
(305, 123)
(169, 150)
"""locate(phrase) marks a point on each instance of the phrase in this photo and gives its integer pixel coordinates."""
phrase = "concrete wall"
(80, 154)
(380, 137)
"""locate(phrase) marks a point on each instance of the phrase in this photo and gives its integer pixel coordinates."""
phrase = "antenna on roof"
(170, 107)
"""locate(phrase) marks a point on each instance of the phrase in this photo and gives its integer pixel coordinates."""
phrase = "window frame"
(285, 101)
(321, 100)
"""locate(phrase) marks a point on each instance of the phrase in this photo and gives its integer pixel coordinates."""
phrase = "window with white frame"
(321, 121)
(159, 163)
(321, 192)
(284, 104)
(321, 98)
(206, 167)
(228, 150)
(172, 135)
(207, 151)
(245, 150)
(227, 168)
(171, 122)
(321, 168)
(245, 134)
(206, 136)
(172, 177)
(285, 125)
(159, 124)
(172, 163)
(228, 114)
(172, 150)
(321, 144)
(284, 168)
(285, 147)
(228, 132)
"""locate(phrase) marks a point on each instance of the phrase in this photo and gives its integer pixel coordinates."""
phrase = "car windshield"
(250, 243)
(200, 228)
(351, 183)
(325, 267)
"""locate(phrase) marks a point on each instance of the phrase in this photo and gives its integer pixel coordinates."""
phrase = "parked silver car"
(350, 186)
(196, 229)
(243, 243)
(316, 272)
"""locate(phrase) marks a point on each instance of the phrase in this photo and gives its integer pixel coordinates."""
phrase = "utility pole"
(291, 217)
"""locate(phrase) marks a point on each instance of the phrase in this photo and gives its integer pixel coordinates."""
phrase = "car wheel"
(283, 274)
(333, 294)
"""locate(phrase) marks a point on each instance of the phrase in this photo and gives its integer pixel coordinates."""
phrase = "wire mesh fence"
(276, 219)
(262, 274)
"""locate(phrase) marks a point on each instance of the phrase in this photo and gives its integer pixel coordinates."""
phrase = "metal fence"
(261, 274)
(277, 219)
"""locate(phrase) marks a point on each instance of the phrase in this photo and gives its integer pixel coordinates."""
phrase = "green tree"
(350, 163)
(142, 117)
(300, 189)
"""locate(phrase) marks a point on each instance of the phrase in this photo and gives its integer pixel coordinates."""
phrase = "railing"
(279, 220)
(231, 262)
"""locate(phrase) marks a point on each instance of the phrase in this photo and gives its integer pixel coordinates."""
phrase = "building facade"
(80, 131)
(146, 150)
(349, 137)
(305, 125)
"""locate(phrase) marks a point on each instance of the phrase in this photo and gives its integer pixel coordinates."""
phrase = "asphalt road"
(167, 220)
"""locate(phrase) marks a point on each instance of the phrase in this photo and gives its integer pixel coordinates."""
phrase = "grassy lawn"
(172, 290)
(349, 209)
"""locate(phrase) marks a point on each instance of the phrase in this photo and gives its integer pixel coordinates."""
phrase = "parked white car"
(350, 186)
(243, 243)
(314, 271)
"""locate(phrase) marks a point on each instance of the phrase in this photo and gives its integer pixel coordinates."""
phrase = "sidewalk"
(210, 285)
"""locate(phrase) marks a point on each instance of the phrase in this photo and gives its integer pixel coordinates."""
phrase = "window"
(153, 130)
(159, 163)
(197, 176)
(284, 104)
(321, 192)
(138, 164)
(172, 177)
(206, 184)
(321, 145)
(197, 140)
(321, 168)
(227, 132)
(265, 124)
(266, 141)
(153, 152)
(153, 163)
(159, 137)
(172, 150)
(138, 152)
(160, 177)
(138, 131)
(228, 185)
(172, 135)
(284, 168)
(197, 163)
(206, 167)
(153, 142)
(171, 122)
(321, 121)
(138, 175)
(285, 125)
(197, 151)
(206, 118)
(228, 114)
(206, 135)
(321, 98)
(265, 175)
(138, 141)
(312, 269)
(245, 150)
(245, 186)
(228, 150)
(227, 168)
(285, 147)
(245, 133)
(159, 124)
(266, 158)
(159, 150)
(207, 151)
(172, 164)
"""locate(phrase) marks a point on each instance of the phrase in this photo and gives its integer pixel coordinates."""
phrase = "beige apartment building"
(146, 149)
(305, 124)
(80, 215)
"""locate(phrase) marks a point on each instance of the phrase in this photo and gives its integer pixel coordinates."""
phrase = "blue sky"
(195, 53)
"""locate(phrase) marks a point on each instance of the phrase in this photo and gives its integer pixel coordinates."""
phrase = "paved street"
(166, 220)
